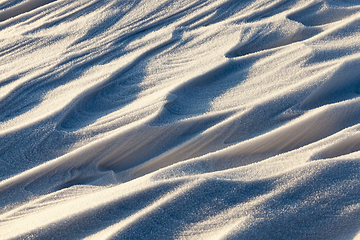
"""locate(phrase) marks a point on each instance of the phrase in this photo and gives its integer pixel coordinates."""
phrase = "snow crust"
(169, 119)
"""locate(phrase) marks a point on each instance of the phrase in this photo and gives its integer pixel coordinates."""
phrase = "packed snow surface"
(179, 119)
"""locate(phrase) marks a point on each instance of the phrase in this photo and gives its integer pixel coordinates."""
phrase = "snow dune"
(207, 119)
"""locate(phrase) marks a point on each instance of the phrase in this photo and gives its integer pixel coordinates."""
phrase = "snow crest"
(206, 119)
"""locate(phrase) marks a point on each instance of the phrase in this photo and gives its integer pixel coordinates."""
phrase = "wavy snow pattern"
(207, 119)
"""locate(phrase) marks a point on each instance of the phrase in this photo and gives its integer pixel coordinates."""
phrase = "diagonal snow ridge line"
(21, 8)
(96, 200)
(115, 229)
(179, 119)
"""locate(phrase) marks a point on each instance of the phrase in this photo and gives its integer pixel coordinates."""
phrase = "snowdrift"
(206, 119)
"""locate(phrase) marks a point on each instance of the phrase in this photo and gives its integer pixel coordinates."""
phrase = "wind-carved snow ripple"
(263, 144)
(194, 97)
(119, 90)
(262, 36)
(323, 12)
(18, 9)
(101, 217)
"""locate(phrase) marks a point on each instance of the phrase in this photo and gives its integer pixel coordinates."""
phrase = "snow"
(206, 119)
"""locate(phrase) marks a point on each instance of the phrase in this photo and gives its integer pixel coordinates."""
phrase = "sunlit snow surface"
(179, 119)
